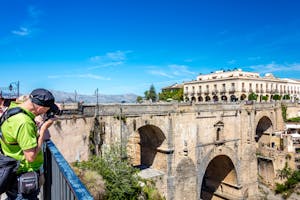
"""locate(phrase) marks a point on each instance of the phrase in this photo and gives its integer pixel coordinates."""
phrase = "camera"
(52, 112)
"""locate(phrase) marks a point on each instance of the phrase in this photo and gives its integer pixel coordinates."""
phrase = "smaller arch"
(207, 98)
(143, 146)
(200, 99)
(233, 98)
(215, 98)
(243, 97)
(193, 99)
(264, 127)
(224, 98)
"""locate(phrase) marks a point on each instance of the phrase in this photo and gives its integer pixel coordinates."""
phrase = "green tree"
(139, 99)
(265, 98)
(171, 94)
(276, 97)
(286, 97)
(252, 96)
(151, 93)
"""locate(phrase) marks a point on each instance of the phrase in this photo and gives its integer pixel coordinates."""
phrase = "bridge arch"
(143, 147)
(219, 174)
(263, 130)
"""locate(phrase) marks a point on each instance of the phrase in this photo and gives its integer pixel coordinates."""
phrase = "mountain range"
(68, 97)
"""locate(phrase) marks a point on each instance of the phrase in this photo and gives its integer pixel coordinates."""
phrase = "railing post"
(47, 174)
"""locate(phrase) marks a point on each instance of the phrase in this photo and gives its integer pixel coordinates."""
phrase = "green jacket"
(20, 133)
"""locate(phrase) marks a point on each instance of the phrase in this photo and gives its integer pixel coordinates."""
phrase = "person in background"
(2, 105)
(22, 141)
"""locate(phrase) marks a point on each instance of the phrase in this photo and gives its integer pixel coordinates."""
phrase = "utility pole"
(121, 132)
(75, 98)
(97, 104)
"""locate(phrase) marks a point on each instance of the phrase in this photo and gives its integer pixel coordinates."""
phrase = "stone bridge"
(198, 151)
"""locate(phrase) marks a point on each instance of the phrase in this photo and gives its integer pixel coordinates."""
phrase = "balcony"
(199, 93)
(60, 180)
(214, 91)
(243, 89)
(206, 92)
(223, 91)
(232, 90)
(250, 90)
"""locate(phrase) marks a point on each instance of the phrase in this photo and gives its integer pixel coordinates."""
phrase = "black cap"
(43, 98)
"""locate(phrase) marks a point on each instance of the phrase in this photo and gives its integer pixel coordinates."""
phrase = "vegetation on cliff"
(120, 178)
(290, 185)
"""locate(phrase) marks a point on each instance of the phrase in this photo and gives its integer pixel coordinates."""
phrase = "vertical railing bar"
(64, 183)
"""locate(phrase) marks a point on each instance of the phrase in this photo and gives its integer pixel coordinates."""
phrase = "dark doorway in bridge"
(143, 147)
(263, 131)
(219, 179)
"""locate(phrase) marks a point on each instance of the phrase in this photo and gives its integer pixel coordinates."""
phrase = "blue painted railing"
(61, 183)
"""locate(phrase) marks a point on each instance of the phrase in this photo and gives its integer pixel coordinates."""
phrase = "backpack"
(8, 165)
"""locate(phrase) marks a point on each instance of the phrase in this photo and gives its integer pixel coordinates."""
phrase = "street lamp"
(11, 87)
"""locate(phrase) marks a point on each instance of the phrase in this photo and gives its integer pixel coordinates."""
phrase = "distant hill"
(68, 97)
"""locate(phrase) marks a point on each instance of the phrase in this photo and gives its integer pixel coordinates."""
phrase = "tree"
(276, 97)
(171, 94)
(286, 97)
(252, 96)
(151, 93)
(139, 99)
(265, 98)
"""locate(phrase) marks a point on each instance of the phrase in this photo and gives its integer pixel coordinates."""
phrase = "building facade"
(237, 85)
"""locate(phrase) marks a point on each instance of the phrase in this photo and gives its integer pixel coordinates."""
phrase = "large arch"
(143, 147)
(263, 130)
(219, 176)
(213, 158)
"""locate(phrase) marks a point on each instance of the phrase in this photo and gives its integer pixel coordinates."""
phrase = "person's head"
(42, 100)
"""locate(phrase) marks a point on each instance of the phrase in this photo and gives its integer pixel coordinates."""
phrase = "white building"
(237, 85)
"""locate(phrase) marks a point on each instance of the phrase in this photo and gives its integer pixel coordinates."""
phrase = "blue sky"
(123, 46)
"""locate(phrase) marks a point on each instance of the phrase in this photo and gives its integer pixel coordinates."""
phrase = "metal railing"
(60, 180)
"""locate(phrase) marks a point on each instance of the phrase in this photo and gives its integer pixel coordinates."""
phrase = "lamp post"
(11, 87)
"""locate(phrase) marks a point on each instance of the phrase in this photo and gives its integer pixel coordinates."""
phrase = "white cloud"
(109, 64)
(273, 67)
(111, 57)
(29, 25)
(172, 72)
(21, 32)
(89, 76)
(160, 73)
(180, 70)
